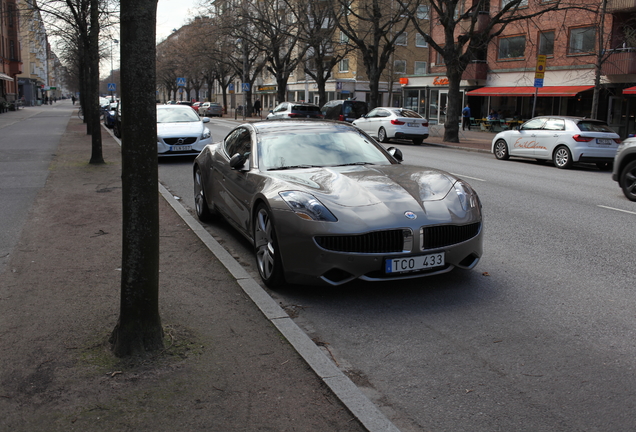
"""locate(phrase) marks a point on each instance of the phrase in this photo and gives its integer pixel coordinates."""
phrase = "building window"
(420, 68)
(343, 66)
(344, 38)
(399, 66)
(439, 59)
(422, 12)
(401, 39)
(420, 41)
(546, 43)
(522, 3)
(512, 47)
(582, 40)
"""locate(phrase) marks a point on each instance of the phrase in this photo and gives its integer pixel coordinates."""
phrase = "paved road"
(28, 140)
(538, 337)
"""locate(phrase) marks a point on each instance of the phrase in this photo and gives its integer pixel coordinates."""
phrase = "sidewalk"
(225, 366)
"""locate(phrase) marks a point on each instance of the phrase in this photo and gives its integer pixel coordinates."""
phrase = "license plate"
(603, 141)
(414, 263)
(412, 124)
(181, 148)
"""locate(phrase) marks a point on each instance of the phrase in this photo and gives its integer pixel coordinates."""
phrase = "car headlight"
(466, 195)
(307, 206)
(206, 134)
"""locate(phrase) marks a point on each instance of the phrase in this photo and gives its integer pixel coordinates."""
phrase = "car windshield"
(593, 126)
(176, 115)
(318, 149)
(357, 109)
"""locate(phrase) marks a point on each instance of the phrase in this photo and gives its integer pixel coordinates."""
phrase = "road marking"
(617, 209)
(468, 177)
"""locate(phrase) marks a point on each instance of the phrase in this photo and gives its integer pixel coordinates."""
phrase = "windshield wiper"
(293, 167)
(356, 163)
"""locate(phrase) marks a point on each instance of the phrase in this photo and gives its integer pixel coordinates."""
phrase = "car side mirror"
(396, 153)
(237, 161)
(206, 119)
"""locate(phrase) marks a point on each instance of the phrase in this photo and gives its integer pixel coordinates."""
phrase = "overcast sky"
(172, 14)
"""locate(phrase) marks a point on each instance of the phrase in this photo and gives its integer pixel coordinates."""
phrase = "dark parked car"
(324, 203)
(286, 110)
(344, 110)
(625, 168)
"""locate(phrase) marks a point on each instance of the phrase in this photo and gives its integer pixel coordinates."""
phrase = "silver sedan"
(323, 203)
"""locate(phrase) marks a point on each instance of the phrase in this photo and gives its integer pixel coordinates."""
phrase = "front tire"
(382, 136)
(117, 129)
(268, 259)
(562, 157)
(628, 181)
(200, 204)
(501, 150)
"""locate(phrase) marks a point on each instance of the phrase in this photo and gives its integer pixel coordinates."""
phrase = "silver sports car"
(324, 203)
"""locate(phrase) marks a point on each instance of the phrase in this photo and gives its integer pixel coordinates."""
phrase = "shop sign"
(266, 88)
(404, 81)
(440, 81)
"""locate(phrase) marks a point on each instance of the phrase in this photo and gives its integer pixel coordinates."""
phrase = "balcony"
(620, 62)
(620, 5)
(15, 67)
(477, 70)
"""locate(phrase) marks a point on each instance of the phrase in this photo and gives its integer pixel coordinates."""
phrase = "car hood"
(179, 129)
(357, 186)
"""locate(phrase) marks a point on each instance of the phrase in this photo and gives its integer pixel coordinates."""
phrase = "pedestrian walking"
(466, 117)
(257, 107)
(73, 99)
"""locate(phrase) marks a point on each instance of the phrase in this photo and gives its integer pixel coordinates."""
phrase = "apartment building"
(36, 66)
(10, 64)
(580, 47)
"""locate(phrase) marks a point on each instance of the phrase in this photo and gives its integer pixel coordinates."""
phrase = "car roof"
(176, 106)
(277, 126)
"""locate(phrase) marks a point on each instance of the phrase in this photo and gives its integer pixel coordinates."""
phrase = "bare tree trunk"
(93, 56)
(139, 326)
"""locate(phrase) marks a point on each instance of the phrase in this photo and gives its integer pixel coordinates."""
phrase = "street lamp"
(112, 78)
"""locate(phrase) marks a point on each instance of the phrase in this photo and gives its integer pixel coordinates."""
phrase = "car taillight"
(292, 115)
(341, 117)
(397, 122)
(579, 138)
(617, 140)
(425, 124)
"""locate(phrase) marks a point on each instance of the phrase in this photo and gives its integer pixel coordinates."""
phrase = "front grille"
(374, 242)
(445, 235)
(175, 141)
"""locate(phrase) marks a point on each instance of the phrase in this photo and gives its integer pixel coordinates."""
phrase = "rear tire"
(628, 181)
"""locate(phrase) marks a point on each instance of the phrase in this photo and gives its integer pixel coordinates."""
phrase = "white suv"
(625, 168)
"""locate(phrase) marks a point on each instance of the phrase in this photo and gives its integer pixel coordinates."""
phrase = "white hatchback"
(564, 140)
(387, 123)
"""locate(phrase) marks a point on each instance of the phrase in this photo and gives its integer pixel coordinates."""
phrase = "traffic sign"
(540, 70)
(246, 87)
(538, 82)
(112, 87)
(181, 82)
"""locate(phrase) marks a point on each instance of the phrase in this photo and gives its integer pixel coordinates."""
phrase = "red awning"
(631, 90)
(550, 91)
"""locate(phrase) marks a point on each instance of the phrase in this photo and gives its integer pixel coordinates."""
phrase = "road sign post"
(539, 75)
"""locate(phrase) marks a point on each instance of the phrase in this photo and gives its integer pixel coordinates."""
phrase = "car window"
(238, 141)
(358, 109)
(554, 124)
(407, 113)
(311, 148)
(593, 126)
(533, 124)
(374, 113)
(304, 108)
